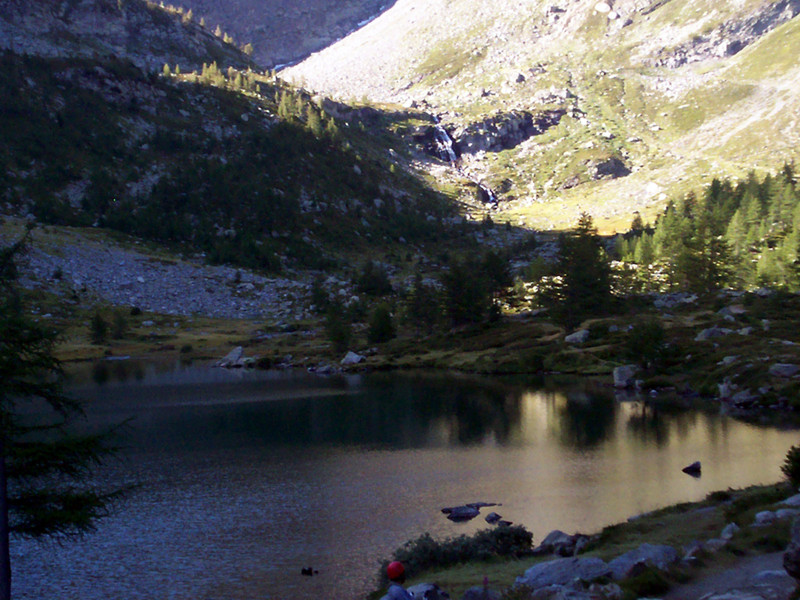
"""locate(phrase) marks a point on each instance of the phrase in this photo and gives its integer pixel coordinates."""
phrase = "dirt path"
(758, 577)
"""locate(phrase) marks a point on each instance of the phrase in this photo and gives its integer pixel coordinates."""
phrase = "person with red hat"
(396, 573)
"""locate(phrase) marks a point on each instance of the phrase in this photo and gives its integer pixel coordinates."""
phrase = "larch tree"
(45, 468)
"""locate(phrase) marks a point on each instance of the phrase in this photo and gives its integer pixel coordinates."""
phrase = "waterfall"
(445, 148)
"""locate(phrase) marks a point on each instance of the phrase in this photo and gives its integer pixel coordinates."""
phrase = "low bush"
(424, 552)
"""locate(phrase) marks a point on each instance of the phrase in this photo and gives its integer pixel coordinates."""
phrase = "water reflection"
(586, 420)
(245, 477)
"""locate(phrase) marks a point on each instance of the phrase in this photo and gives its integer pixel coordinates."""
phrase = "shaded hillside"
(657, 97)
(284, 32)
(141, 31)
(225, 163)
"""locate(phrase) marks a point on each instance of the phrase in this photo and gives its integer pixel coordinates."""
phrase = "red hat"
(395, 570)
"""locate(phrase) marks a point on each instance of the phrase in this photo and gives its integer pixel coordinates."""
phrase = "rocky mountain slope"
(642, 99)
(141, 31)
(284, 32)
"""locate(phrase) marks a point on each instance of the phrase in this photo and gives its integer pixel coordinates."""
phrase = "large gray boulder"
(233, 359)
(658, 556)
(562, 544)
(351, 358)
(564, 571)
(579, 337)
(624, 376)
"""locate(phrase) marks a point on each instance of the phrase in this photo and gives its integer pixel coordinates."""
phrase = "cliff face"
(140, 31)
(284, 32)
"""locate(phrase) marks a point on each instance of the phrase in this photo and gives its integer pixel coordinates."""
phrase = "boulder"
(232, 359)
(791, 558)
(792, 501)
(729, 531)
(481, 593)
(764, 518)
(711, 333)
(493, 518)
(784, 370)
(693, 469)
(351, 358)
(658, 556)
(428, 591)
(624, 376)
(562, 544)
(564, 571)
(461, 513)
(579, 337)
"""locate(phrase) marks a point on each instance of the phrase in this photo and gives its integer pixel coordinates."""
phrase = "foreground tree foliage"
(44, 467)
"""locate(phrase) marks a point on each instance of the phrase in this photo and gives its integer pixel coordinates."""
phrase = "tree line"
(741, 234)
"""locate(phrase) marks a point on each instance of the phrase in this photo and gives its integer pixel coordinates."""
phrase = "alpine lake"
(241, 479)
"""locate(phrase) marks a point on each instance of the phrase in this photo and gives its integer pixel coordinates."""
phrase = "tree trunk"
(5, 534)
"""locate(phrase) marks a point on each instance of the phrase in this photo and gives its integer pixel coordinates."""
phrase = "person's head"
(396, 572)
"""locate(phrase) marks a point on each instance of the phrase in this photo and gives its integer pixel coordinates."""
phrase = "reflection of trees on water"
(119, 370)
(586, 419)
(648, 424)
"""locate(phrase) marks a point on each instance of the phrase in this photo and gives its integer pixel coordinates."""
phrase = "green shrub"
(424, 552)
(381, 328)
(119, 325)
(98, 328)
(791, 466)
(339, 331)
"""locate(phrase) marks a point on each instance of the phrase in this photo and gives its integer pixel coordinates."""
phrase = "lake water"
(245, 478)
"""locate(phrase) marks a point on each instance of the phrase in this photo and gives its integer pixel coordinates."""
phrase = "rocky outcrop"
(730, 37)
(505, 130)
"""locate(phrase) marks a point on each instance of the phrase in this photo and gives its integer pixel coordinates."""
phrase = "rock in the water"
(563, 571)
(351, 358)
(492, 518)
(579, 337)
(658, 556)
(461, 513)
(694, 469)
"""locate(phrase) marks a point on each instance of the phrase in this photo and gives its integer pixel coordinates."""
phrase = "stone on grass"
(729, 531)
(792, 501)
(563, 571)
(351, 358)
(481, 593)
(764, 518)
(428, 591)
(658, 556)
(232, 359)
(579, 337)
(784, 370)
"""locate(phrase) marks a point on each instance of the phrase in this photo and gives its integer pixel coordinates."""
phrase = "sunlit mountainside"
(651, 98)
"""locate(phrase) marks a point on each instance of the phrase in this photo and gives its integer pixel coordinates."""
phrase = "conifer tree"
(584, 287)
(43, 467)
